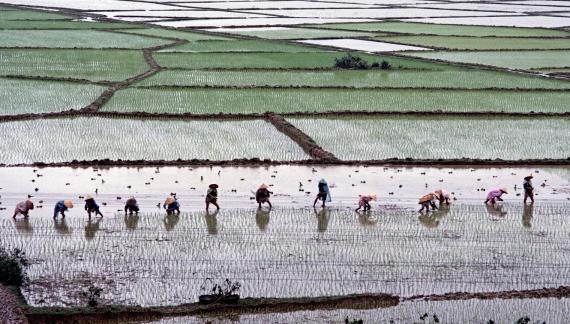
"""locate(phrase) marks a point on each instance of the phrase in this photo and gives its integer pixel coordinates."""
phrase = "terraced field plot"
(292, 33)
(60, 140)
(171, 33)
(30, 15)
(480, 43)
(452, 78)
(321, 100)
(511, 60)
(61, 24)
(75, 39)
(239, 46)
(154, 259)
(460, 137)
(94, 65)
(47, 96)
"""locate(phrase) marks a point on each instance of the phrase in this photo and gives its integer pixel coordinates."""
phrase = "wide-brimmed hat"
(29, 204)
(530, 176)
(374, 196)
(437, 194)
(68, 203)
(88, 197)
(504, 190)
(263, 186)
(169, 200)
(213, 186)
(322, 181)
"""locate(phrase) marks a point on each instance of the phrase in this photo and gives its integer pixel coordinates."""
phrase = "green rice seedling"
(62, 24)
(511, 60)
(320, 100)
(453, 78)
(30, 15)
(67, 139)
(480, 43)
(240, 46)
(94, 65)
(447, 30)
(30, 96)
(171, 33)
(75, 39)
(440, 138)
(297, 33)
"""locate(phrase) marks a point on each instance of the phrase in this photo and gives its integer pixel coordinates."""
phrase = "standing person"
(171, 205)
(364, 201)
(495, 195)
(262, 195)
(528, 189)
(23, 208)
(91, 206)
(444, 196)
(131, 206)
(61, 207)
(212, 196)
(428, 201)
(324, 193)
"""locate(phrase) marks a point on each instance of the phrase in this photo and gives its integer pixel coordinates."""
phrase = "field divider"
(305, 141)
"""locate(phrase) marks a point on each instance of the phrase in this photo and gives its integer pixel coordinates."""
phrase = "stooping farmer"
(495, 195)
(23, 208)
(428, 201)
(364, 201)
(131, 206)
(212, 196)
(444, 196)
(262, 195)
(171, 205)
(91, 206)
(324, 193)
(528, 189)
(61, 207)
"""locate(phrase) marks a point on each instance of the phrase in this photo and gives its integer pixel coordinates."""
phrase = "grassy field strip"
(292, 33)
(75, 39)
(30, 15)
(240, 46)
(533, 21)
(155, 259)
(480, 43)
(90, 138)
(446, 30)
(276, 60)
(170, 33)
(94, 65)
(62, 24)
(512, 60)
(459, 78)
(207, 101)
(47, 96)
(414, 137)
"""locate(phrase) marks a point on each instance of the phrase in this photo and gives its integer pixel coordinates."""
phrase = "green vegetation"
(480, 43)
(170, 33)
(299, 33)
(319, 100)
(75, 39)
(355, 62)
(30, 15)
(452, 78)
(95, 65)
(511, 60)
(13, 265)
(61, 24)
(89, 138)
(30, 96)
(459, 137)
(240, 46)
(274, 60)
(447, 30)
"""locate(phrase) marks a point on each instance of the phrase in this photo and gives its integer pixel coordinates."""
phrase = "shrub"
(93, 294)
(353, 321)
(13, 266)
(226, 288)
(350, 61)
(385, 65)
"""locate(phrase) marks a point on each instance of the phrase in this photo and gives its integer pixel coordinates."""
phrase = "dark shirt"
(262, 194)
(527, 185)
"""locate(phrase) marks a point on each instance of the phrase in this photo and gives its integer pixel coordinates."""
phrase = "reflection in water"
(323, 217)
(262, 218)
(132, 221)
(212, 222)
(528, 213)
(365, 220)
(23, 226)
(170, 221)
(432, 220)
(91, 228)
(61, 227)
(496, 210)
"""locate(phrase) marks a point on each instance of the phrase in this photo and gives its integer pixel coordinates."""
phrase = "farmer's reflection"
(496, 210)
(91, 228)
(23, 226)
(432, 220)
(212, 222)
(528, 213)
(61, 227)
(262, 218)
(170, 221)
(365, 219)
(323, 217)
(132, 221)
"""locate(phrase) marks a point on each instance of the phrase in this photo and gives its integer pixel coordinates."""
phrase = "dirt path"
(560, 292)
(10, 311)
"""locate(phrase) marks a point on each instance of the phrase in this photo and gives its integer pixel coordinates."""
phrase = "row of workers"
(263, 195)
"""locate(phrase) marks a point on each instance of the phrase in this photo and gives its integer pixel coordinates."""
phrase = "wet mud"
(10, 310)
(244, 306)
(560, 292)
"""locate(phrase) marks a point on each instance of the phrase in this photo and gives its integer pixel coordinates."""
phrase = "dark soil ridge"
(51, 78)
(245, 306)
(255, 162)
(305, 141)
(10, 307)
(560, 292)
